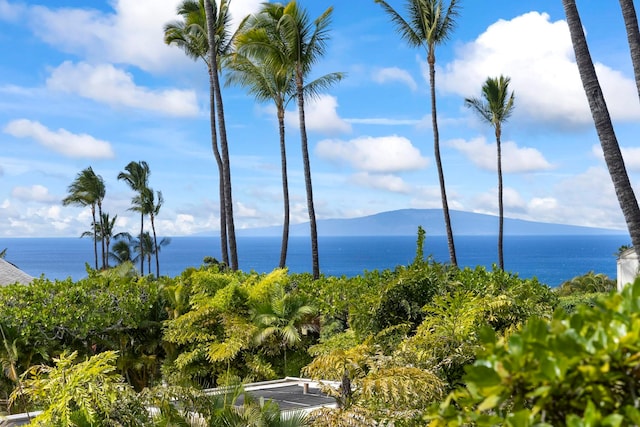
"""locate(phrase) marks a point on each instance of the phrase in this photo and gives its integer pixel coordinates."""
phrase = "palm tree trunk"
(285, 189)
(633, 36)
(307, 176)
(141, 244)
(155, 245)
(604, 127)
(436, 148)
(106, 245)
(228, 200)
(95, 235)
(104, 260)
(500, 201)
(224, 249)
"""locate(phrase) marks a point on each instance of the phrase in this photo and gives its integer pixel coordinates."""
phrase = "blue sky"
(92, 84)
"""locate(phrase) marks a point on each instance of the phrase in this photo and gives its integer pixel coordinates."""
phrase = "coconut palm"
(604, 127)
(633, 36)
(137, 178)
(190, 35)
(150, 203)
(220, 42)
(88, 189)
(295, 44)
(104, 232)
(146, 249)
(107, 234)
(430, 23)
(268, 79)
(495, 107)
(267, 82)
(122, 251)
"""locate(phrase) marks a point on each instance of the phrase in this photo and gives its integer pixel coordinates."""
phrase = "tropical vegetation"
(423, 343)
(88, 189)
(400, 346)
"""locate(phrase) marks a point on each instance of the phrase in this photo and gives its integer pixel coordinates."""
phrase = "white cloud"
(240, 9)
(321, 116)
(35, 193)
(514, 158)
(394, 74)
(105, 83)
(538, 56)
(244, 211)
(132, 33)
(487, 202)
(384, 121)
(61, 141)
(10, 11)
(381, 182)
(586, 199)
(382, 154)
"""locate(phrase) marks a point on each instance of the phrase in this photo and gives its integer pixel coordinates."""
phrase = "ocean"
(552, 259)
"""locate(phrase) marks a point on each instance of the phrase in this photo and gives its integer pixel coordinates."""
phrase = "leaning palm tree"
(88, 189)
(296, 44)
(633, 36)
(137, 178)
(429, 24)
(190, 35)
(495, 107)
(600, 113)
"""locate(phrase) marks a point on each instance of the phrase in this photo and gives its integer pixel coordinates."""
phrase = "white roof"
(10, 274)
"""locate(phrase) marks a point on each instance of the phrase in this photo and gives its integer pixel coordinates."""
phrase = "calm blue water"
(552, 259)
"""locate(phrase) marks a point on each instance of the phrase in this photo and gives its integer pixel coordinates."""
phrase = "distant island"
(405, 222)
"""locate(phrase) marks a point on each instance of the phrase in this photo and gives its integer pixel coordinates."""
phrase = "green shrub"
(578, 369)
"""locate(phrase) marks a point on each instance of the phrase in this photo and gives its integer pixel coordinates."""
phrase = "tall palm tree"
(633, 36)
(190, 35)
(220, 43)
(267, 82)
(88, 189)
(495, 107)
(602, 120)
(152, 205)
(143, 246)
(297, 43)
(137, 178)
(107, 227)
(429, 24)
(268, 78)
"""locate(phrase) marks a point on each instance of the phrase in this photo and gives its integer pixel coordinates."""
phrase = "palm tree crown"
(495, 107)
(136, 176)
(429, 23)
(88, 189)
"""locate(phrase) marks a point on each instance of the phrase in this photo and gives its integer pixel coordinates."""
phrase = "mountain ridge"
(405, 222)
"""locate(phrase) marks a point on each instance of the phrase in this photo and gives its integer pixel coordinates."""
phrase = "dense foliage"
(579, 369)
(393, 343)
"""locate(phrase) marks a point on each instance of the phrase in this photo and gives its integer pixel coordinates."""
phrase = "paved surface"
(292, 397)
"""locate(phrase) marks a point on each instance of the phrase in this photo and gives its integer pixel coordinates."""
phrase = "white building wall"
(628, 268)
